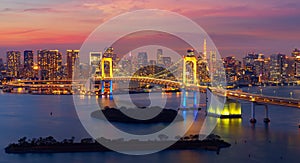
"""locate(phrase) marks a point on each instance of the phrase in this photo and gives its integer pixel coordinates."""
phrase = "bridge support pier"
(184, 98)
(252, 119)
(195, 100)
(106, 87)
(266, 119)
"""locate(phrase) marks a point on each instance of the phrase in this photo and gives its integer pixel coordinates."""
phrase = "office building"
(13, 63)
(72, 62)
(28, 64)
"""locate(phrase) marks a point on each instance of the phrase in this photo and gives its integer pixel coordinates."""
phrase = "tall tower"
(159, 56)
(55, 63)
(72, 59)
(142, 59)
(95, 58)
(204, 50)
(28, 64)
(13, 63)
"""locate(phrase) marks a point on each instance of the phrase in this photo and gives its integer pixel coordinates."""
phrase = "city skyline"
(236, 27)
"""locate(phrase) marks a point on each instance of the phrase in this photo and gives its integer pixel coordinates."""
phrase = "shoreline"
(212, 143)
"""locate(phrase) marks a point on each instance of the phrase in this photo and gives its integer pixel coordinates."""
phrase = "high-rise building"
(167, 61)
(295, 53)
(49, 63)
(42, 59)
(95, 60)
(142, 59)
(259, 69)
(297, 66)
(28, 64)
(2, 68)
(291, 67)
(232, 68)
(13, 63)
(1, 64)
(108, 52)
(55, 64)
(72, 61)
(159, 56)
(202, 69)
(204, 50)
(277, 67)
(248, 61)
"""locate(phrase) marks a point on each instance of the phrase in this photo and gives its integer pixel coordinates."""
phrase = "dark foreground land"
(50, 145)
(120, 115)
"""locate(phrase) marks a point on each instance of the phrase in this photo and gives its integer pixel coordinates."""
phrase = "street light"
(291, 94)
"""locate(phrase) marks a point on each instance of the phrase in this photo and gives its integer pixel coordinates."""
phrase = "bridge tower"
(190, 58)
(106, 84)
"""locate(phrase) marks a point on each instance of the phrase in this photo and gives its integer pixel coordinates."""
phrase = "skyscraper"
(95, 58)
(204, 50)
(142, 59)
(108, 52)
(42, 59)
(167, 61)
(72, 61)
(159, 56)
(259, 68)
(28, 64)
(297, 66)
(232, 68)
(49, 63)
(2, 68)
(295, 53)
(278, 67)
(55, 63)
(13, 63)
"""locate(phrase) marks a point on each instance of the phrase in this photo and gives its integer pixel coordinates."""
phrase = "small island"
(50, 145)
(117, 115)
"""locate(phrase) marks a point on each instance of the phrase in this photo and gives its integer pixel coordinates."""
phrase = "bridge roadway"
(258, 98)
(231, 94)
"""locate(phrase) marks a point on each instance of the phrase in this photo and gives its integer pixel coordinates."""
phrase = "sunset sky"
(236, 26)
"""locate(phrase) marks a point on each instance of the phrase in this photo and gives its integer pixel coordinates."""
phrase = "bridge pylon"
(106, 84)
(189, 58)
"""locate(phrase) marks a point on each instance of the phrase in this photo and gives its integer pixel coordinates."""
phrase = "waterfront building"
(72, 62)
(167, 61)
(232, 67)
(49, 64)
(295, 61)
(295, 53)
(42, 59)
(278, 67)
(55, 61)
(202, 69)
(28, 64)
(2, 69)
(297, 66)
(13, 63)
(95, 60)
(108, 52)
(159, 56)
(142, 59)
(259, 69)
(291, 68)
